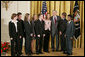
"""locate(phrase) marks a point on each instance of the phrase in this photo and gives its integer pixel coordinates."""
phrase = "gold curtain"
(62, 6)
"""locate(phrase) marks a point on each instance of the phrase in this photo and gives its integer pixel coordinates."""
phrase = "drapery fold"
(62, 6)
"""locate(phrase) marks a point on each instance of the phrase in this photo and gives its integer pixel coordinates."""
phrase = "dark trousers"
(28, 45)
(57, 41)
(39, 44)
(63, 42)
(21, 45)
(69, 44)
(14, 47)
(46, 40)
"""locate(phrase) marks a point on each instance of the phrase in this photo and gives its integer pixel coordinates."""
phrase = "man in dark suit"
(54, 30)
(69, 35)
(62, 31)
(19, 15)
(39, 31)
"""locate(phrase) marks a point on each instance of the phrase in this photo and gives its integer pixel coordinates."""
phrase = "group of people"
(37, 30)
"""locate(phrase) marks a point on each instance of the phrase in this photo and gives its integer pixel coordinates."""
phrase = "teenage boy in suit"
(62, 31)
(39, 31)
(19, 19)
(69, 34)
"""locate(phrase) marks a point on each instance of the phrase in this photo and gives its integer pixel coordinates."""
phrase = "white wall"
(14, 7)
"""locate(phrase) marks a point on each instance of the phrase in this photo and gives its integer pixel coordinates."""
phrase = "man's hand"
(20, 37)
(31, 34)
(71, 38)
(34, 35)
(11, 38)
(43, 35)
(65, 35)
(60, 33)
(38, 35)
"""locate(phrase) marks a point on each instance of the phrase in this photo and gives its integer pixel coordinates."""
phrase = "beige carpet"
(76, 52)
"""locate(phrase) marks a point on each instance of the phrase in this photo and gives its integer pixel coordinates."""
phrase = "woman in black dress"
(34, 36)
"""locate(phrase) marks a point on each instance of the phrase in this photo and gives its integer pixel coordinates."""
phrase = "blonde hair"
(26, 17)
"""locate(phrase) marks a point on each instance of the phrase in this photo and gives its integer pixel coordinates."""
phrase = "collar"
(13, 21)
(40, 19)
(69, 21)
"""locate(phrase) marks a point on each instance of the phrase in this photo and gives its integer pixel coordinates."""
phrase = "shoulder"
(37, 20)
(59, 17)
(72, 22)
(10, 22)
(25, 22)
(51, 16)
(66, 20)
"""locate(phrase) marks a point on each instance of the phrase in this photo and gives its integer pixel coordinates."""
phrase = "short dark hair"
(13, 15)
(64, 14)
(70, 15)
(39, 15)
(19, 13)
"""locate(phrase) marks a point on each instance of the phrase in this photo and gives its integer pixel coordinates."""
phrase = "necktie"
(55, 20)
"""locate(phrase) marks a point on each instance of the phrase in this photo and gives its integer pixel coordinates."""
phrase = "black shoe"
(69, 54)
(37, 53)
(20, 53)
(53, 50)
(57, 50)
(45, 50)
(61, 50)
(29, 54)
(48, 52)
(65, 52)
(40, 52)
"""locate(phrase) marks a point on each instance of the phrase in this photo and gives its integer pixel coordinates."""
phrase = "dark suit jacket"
(28, 28)
(39, 27)
(70, 29)
(22, 24)
(33, 25)
(63, 25)
(54, 29)
(12, 30)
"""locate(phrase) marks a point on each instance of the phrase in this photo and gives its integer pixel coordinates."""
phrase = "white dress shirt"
(69, 21)
(54, 17)
(15, 23)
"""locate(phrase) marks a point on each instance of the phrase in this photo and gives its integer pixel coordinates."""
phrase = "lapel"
(29, 23)
(14, 25)
(39, 22)
(52, 20)
(57, 18)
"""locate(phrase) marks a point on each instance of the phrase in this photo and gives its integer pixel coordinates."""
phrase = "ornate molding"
(5, 4)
